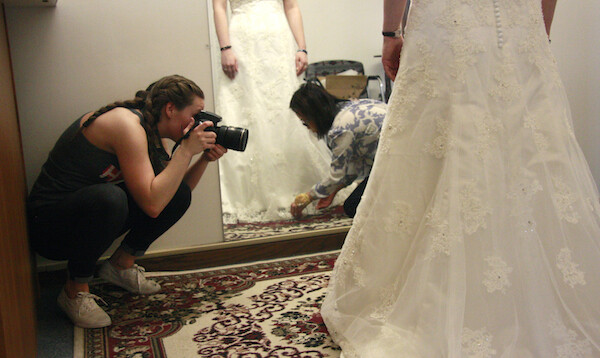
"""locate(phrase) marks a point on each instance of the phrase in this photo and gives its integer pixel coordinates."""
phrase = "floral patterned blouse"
(353, 140)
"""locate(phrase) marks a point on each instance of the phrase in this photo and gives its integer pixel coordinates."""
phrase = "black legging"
(353, 199)
(82, 227)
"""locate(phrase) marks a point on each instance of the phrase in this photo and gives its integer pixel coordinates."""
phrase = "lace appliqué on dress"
(400, 218)
(473, 209)
(477, 344)
(571, 347)
(442, 240)
(441, 237)
(346, 267)
(458, 23)
(443, 142)
(571, 274)
(507, 87)
(521, 194)
(484, 17)
(535, 47)
(497, 277)
(540, 140)
(419, 77)
(564, 200)
(385, 304)
(486, 127)
(420, 80)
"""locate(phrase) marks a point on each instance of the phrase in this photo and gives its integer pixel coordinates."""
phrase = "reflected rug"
(326, 219)
(267, 309)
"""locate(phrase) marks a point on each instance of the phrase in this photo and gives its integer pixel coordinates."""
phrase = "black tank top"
(73, 163)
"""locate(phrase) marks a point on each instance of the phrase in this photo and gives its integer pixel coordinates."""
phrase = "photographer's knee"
(111, 204)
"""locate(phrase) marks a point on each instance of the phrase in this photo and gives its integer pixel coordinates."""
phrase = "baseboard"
(244, 253)
(257, 250)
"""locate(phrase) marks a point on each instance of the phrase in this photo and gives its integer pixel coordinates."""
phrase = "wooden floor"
(227, 256)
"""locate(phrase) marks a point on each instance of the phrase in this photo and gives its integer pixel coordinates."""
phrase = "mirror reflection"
(260, 51)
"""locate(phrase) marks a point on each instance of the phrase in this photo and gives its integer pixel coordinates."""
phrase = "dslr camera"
(229, 137)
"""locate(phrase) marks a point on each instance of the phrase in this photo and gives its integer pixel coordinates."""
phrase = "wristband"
(395, 34)
(225, 48)
(303, 50)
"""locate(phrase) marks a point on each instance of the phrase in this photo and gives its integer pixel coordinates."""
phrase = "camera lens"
(231, 137)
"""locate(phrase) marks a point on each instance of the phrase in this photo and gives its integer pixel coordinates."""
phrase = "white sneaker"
(131, 279)
(83, 310)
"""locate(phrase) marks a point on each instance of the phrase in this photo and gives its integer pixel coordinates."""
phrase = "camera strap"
(185, 136)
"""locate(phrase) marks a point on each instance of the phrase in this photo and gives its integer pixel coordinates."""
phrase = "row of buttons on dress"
(499, 32)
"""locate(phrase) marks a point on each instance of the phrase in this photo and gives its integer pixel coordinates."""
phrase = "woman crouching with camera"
(109, 174)
(351, 129)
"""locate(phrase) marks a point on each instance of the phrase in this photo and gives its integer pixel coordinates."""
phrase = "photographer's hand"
(195, 172)
(199, 140)
(214, 154)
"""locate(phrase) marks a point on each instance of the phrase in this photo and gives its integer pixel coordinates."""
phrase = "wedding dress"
(282, 159)
(479, 231)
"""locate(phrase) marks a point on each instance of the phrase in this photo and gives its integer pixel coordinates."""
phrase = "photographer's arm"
(196, 170)
(151, 192)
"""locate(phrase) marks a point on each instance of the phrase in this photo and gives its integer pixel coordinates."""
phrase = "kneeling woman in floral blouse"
(351, 129)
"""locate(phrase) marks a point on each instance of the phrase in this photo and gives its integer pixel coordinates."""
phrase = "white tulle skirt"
(282, 158)
(479, 231)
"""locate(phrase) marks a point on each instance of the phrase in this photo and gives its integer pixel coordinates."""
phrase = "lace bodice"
(236, 5)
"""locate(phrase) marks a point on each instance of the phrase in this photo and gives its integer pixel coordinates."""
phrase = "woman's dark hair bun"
(141, 94)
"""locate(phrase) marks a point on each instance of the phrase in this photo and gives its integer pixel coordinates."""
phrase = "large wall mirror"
(334, 30)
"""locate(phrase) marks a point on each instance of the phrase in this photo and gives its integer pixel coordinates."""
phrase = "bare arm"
(228, 59)
(128, 140)
(548, 7)
(294, 17)
(393, 12)
(195, 172)
(221, 25)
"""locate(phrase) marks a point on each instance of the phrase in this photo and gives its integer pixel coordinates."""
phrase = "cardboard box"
(346, 87)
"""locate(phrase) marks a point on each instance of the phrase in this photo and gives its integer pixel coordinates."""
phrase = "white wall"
(576, 46)
(82, 55)
(344, 29)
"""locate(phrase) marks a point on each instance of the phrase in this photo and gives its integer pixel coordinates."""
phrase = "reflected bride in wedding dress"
(281, 157)
(479, 231)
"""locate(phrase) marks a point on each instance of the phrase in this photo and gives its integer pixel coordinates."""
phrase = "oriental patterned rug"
(268, 309)
(326, 219)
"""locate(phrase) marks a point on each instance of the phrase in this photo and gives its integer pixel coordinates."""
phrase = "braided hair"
(175, 89)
